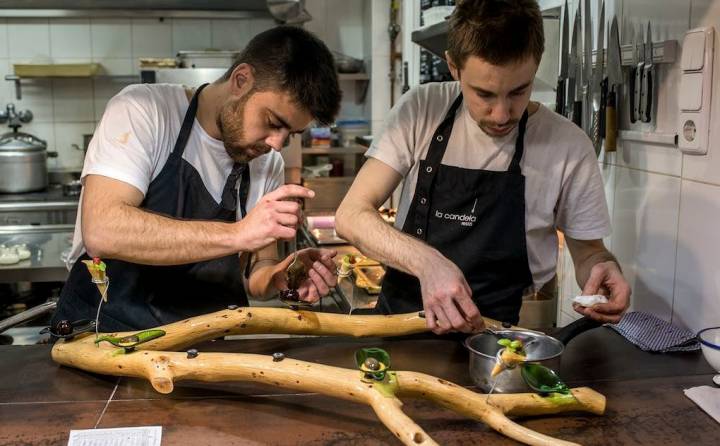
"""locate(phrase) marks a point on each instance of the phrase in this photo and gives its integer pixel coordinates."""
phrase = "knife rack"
(663, 53)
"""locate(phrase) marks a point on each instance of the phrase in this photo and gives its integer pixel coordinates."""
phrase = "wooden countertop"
(40, 401)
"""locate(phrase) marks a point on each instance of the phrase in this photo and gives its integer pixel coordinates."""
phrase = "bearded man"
(183, 194)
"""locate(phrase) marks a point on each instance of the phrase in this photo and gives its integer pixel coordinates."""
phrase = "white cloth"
(136, 135)
(708, 398)
(589, 301)
(563, 185)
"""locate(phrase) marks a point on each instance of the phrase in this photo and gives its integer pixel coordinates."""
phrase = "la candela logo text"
(464, 219)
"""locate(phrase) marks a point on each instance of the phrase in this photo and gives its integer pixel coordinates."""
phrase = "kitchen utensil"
(576, 72)
(542, 379)
(347, 64)
(598, 80)
(615, 80)
(587, 70)
(710, 345)
(23, 157)
(290, 12)
(560, 92)
(539, 348)
(636, 79)
(646, 93)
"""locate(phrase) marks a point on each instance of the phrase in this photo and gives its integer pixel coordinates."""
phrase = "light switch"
(693, 51)
(691, 89)
(696, 86)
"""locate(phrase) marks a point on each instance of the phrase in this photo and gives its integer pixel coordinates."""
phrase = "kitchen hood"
(136, 8)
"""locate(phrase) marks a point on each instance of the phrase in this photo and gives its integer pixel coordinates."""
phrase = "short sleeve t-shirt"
(136, 135)
(563, 185)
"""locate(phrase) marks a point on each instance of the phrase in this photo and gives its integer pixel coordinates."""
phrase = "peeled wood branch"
(164, 368)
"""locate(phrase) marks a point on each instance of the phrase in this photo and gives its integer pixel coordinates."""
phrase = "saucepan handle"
(568, 332)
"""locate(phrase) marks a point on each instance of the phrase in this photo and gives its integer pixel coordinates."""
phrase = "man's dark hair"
(293, 60)
(497, 31)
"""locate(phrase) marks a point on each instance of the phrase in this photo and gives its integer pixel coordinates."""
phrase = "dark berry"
(290, 294)
(63, 328)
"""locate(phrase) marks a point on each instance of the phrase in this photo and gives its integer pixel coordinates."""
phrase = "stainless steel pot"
(23, 163)
(539, 348)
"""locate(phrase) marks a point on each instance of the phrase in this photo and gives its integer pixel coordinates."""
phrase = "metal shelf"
(434, 39)
(353, 77)
(352, 150)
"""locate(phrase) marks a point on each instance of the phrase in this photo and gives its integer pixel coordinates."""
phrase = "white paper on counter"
(708, 398)
(121, 436)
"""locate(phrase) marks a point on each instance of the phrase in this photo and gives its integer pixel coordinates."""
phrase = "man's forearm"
(367, 231)
(587, 255)
(128, 233)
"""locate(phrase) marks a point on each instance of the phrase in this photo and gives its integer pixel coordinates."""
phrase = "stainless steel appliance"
(23, 157)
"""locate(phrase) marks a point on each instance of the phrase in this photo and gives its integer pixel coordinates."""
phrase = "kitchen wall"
(665, 205)
(65, 109)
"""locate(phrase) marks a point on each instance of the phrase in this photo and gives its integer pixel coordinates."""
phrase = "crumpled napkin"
(708, 398)
(653, 334)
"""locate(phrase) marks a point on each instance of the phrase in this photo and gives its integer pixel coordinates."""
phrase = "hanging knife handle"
(647, 95)
(611, 121)
(595, 132)
(603, 103)
(577, 113)
(560, 97)
(639, 93)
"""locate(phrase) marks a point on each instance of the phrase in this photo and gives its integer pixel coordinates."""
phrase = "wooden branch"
(262, 320)
(164, 368)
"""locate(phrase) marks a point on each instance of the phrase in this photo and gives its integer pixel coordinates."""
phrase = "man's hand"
(447, 299)
(606, 279)
(275, 216)
(321, 273)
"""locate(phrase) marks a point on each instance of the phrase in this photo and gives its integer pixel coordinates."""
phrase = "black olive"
(63, 328)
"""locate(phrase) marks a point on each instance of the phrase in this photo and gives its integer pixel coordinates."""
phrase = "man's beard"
(230, 122)
(491, 128)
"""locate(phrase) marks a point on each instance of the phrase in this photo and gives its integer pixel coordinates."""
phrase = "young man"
(178, 183)
(488, 179)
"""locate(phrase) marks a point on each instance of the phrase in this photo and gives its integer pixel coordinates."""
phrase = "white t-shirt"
(136, 135)
(563, 185)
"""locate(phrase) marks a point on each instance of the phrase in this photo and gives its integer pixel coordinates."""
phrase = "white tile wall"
(111, 38)
(28, 39)
(151, 38)
(665, 205)
(191, 35)
(65, 109)
(645, 221)
(70, 38)
(3, 39)
(697, 287)
(229, 34)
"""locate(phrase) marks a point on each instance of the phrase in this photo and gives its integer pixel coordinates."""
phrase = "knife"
(561, 93)
(575, 81)
(587, 70)
(598, 80)
(647, 79)
(615, 80)
(638, 80)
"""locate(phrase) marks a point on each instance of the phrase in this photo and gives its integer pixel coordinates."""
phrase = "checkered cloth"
(653, 334)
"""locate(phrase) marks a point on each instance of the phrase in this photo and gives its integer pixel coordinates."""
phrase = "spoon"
(542, 379)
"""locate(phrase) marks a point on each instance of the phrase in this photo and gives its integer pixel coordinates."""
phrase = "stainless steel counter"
(46, 244)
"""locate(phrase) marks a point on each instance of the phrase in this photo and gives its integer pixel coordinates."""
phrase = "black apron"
(475, 218)
(145, 296)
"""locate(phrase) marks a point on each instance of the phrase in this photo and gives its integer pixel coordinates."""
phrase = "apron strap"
(187, 124)
(519, 145)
